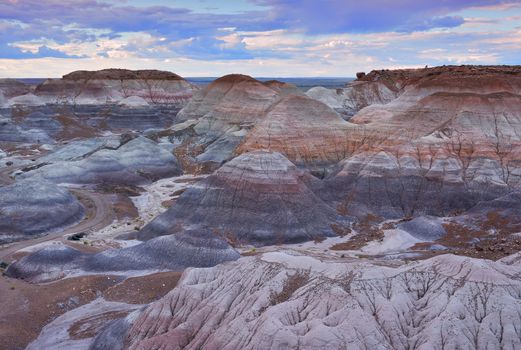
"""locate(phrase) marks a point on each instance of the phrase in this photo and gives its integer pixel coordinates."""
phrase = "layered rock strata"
(191, 248)
(113, 85)
(10, 88)
(288, 300)
(447, 142)
(258, 198)
(222, 113)
(306, 131)
(137, 161)
(35, 206)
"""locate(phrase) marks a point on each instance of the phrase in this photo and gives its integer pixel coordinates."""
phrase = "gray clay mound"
(35, 206)
(258, 198)
(174, 252)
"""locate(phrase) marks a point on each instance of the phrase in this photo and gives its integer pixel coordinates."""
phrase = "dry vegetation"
(186, 154)
(367, 230)
(492, 238)
(291, 285)
(28, 307)
(91, 326)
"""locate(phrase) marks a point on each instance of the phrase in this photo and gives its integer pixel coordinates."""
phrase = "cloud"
(63, 21)
(339, 16)
(302, 33)
(174, 22)
(462, 57)
(44, 51)
(11, 51)
(89, 20)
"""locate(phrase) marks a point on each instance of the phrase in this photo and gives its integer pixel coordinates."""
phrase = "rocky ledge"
(122, 74)
(289, 300)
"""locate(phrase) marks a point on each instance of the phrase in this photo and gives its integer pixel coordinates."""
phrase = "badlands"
(140, 211)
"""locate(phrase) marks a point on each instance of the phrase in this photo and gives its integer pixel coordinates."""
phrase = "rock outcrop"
(82, 148)
(394, 185)
(380, 87)
(113, 85)
(122, 74)
(191, 248)
(10, 131)
(123, 117)
(444, 101)
(233, 101)
(355, 96)
(10, 88)
(258, 198)
(34, 206)
(224, 111)
(25, 100)
(447, 142)
(306, 131)
(291, 301)
(87, 319)
(137, 161)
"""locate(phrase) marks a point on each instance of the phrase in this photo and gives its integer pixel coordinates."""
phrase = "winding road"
(5, 179)
(98, 217)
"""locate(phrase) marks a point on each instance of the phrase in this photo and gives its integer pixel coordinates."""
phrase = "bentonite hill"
(141, 211)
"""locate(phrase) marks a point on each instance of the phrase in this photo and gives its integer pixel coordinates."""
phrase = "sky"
(263, 38)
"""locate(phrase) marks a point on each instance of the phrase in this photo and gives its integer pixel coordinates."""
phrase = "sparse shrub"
(291, 285)
(341, 230)
(319, 239)
(389, 226)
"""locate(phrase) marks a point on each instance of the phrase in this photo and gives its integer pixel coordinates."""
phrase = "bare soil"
(89, 327)
(27, 308)
(367, 229)
(143, 290)
(124, 207)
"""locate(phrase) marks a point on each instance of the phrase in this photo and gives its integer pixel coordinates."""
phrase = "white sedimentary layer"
(26, 100)
(354, 96)
(90, 317)
(134, 101)
(100, 91)
(287, 300)
(150, 203)
(134, 160)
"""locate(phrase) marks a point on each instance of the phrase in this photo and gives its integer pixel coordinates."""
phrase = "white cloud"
(54, 67)
(278, 52)
(230, 40)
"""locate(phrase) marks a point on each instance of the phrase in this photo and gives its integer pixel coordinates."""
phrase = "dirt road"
(101, 215)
